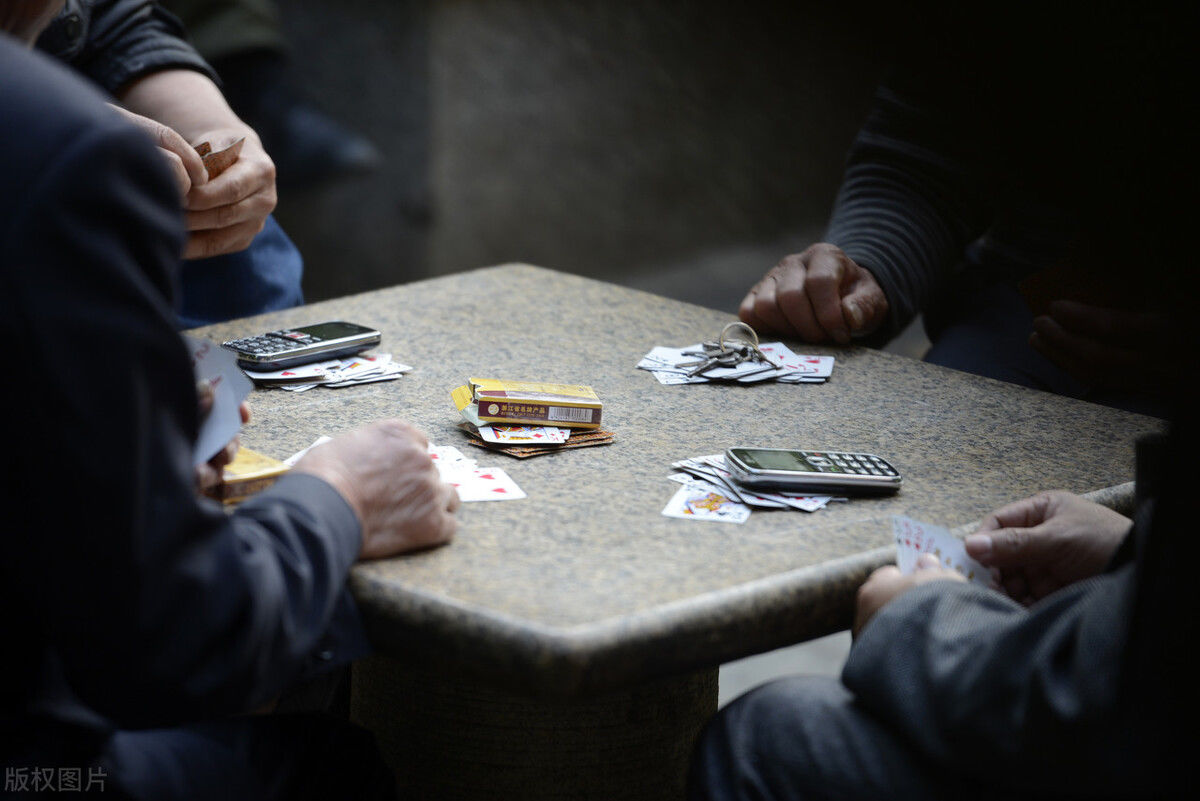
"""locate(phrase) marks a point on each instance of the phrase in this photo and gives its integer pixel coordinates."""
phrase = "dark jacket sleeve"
(159, 606)
(913, 194)
(115, 42)
(1080, 694)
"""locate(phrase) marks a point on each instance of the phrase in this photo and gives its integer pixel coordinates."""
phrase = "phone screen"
(764, 459)
(334, 330)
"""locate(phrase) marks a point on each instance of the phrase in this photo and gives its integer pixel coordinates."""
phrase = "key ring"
(751, 343)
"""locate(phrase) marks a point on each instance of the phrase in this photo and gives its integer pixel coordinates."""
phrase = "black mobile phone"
(278, 350)
(816, 471)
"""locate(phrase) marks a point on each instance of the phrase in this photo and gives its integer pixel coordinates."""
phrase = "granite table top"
(584, 586)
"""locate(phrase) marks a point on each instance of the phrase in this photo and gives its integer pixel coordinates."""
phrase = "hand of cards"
(709, 493)
(783, 366)
(217, 162)
(361, 369)
(914, 538)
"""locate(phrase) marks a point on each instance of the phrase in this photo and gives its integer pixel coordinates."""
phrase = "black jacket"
(114, 42)
(125, 600)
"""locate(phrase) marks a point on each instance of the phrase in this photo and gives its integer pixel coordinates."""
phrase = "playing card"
(914, 538)
(295, 457)
(699, 503)
(782, 365)
(524, 435)
(218, 161)
(218, 368)
(301, 374)
(485, 484)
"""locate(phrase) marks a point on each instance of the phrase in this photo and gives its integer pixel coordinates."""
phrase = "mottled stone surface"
(584, 585)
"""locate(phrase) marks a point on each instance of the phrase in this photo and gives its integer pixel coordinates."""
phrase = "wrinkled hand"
(818, 295)
(887, 583)
(209, 474)
(1097, 345)
(225, 213)
(185, 164)
(384, 472)
(1044, 543)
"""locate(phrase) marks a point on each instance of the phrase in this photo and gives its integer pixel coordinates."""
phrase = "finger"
(206, 244)
(767, 315)
(1008, 547)
(452, 501)
(206, 477)
(865, 307)
(244, 412)
(256, 207)
(791, 293)
(169, 140)
(182, 180)
(239, 182)
(1112, 326)
(1026, 512)
(926, 561)
(1085, 358)
(746, 310)
(204, 398)
(824, 281)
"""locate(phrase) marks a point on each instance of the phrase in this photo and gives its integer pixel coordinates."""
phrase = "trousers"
(264, 277)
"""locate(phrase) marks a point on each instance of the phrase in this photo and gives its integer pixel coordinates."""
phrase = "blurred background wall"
(680, 147)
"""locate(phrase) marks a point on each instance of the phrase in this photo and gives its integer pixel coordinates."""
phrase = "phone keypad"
(862, 464)
(264, 345)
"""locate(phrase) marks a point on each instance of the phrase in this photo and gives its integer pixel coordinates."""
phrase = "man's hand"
(185, 164)
(1097, 345)
(1046, 542)
(225, 213)
(817, 295)
(210, 474)
(384, 472)
(886, 583)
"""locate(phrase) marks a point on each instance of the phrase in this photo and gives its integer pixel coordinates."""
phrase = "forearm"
(910, 201)
(980, 685)
(187, 101)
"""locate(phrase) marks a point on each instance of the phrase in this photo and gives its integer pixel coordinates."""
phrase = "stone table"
(566, 645)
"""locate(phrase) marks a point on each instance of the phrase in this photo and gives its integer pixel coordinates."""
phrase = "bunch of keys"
(727, 352)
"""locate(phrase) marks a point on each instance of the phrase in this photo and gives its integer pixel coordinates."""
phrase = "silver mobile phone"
(277, 350)
(816, 471)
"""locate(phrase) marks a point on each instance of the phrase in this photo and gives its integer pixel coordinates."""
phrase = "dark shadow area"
(609, 140)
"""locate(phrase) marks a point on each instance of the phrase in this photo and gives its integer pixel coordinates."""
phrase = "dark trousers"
(984, 329)
(264, 277)
(806, 738)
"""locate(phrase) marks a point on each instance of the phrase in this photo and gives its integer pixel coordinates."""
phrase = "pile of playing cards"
(710, 493)
(525, 442)
(522, 441)
(914, 538)
(673, 366)
(360, 369)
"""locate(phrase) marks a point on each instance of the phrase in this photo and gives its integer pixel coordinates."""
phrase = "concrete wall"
(601, 138)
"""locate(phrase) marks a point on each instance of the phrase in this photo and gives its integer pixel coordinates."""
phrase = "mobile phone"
(277, 350)
(817, 471)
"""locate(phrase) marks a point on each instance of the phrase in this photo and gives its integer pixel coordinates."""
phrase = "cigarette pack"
(532, 403)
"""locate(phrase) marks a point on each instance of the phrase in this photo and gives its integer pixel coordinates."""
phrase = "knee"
(761, 746)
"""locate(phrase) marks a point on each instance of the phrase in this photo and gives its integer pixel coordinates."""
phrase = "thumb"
(1006, 547)
(170, 140)
(864, 307)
